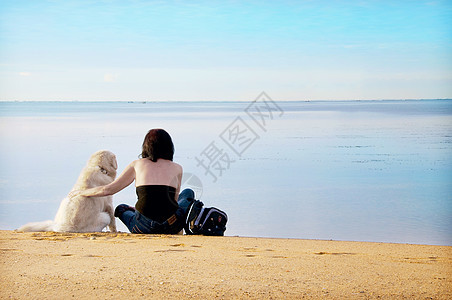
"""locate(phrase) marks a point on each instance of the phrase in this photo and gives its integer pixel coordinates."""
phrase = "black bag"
(206, 221)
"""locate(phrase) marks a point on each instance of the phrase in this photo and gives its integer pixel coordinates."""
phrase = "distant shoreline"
(217, 101)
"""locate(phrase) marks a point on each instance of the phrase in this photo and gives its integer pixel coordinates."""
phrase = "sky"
(224, 50)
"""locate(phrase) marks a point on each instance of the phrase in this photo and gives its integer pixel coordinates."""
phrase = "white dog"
(82, 214)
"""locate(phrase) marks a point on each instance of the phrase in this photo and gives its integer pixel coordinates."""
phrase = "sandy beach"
(106, 266)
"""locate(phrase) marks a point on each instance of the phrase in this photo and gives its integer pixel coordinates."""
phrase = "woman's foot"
(121, 208)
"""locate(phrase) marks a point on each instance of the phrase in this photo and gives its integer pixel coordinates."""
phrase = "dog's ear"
(110, 163)
(106, 160)
(113, 162)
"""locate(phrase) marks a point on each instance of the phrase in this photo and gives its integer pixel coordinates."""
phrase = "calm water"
(358, 170)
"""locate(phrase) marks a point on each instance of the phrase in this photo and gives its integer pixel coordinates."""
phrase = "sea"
(378, 171)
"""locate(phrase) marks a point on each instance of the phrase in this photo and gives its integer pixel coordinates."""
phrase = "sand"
(106, 266)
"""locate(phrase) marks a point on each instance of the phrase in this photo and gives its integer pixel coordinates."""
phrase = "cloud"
(110, 77)
(26, 74)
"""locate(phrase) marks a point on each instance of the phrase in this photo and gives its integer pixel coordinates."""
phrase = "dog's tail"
(38, 226)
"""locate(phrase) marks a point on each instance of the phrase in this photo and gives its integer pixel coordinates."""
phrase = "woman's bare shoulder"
(176, 165)
(161, 162)
(137, 163)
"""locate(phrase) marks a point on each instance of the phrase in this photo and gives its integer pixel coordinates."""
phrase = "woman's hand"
(125, 179)
(75, 193)
(92, 192)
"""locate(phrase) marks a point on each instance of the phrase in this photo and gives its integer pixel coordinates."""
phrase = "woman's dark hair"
(157, 144)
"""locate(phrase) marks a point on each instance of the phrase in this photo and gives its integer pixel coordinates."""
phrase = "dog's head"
(100, 170)
(105, 162)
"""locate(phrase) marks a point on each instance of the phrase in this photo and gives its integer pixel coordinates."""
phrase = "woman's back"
(161, 172)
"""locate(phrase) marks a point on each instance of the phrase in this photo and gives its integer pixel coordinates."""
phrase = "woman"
(158, 181)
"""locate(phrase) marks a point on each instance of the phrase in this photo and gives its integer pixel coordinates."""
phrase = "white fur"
(85, 214)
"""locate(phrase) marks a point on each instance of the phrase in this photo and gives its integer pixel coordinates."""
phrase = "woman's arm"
(179, 182)
(124, 180)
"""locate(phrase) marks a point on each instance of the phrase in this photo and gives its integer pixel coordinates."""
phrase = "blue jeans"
(138, 223)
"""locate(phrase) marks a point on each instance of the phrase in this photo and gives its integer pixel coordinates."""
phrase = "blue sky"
(225, 50)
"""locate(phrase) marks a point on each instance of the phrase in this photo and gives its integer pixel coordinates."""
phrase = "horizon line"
(229, 101)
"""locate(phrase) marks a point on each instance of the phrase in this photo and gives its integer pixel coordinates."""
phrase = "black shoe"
(120, 209)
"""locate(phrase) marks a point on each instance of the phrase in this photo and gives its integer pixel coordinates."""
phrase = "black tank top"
(156, 202)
